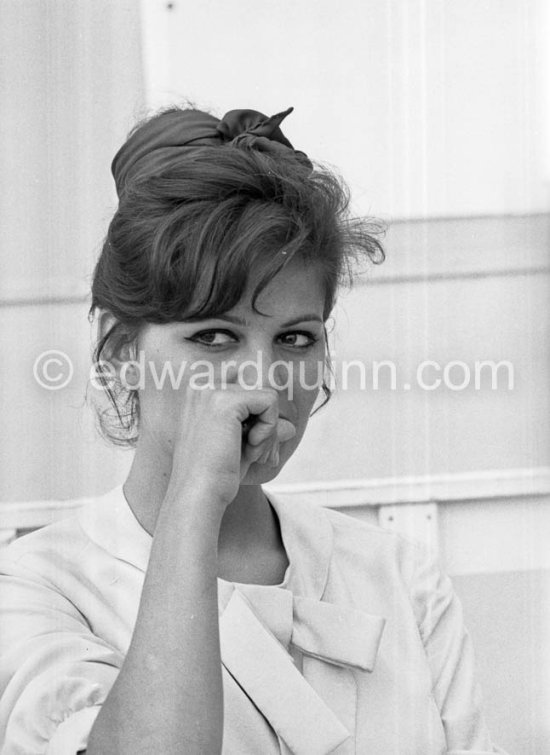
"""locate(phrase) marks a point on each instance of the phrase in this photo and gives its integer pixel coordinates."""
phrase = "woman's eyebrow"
(239, 321)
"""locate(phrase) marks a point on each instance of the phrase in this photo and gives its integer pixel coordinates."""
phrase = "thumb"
(285, 430)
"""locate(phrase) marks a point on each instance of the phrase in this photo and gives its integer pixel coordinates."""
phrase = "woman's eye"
(213, 338)
(298, 339)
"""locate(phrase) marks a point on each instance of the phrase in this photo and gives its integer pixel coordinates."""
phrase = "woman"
(187, 611)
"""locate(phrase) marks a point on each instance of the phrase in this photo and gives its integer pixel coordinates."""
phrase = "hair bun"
(157, 143)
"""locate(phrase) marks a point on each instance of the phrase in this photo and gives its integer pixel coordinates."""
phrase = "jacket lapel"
(266, 672)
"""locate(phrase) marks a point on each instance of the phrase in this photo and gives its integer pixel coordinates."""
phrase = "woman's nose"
(261, 368)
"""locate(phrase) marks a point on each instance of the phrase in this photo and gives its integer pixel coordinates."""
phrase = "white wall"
(449, 290)
(70, 89)
(430, 108)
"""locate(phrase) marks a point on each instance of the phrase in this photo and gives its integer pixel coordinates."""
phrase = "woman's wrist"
(195, 506)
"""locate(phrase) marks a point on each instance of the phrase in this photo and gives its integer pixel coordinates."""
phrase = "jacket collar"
(305, 530)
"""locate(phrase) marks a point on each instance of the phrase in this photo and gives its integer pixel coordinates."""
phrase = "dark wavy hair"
(183, 244)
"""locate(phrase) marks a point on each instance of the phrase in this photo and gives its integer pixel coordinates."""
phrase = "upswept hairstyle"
(183, 244)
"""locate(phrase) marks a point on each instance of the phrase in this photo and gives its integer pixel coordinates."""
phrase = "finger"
(285, 430)
(265, 425)
(271, 455)
(273, 459)
(266, 456)
(265, 453)
(249, 456)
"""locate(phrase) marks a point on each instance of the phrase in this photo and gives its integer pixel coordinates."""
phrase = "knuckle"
(270, 393)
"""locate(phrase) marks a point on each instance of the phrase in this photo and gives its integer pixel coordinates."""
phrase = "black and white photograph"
(275, 379)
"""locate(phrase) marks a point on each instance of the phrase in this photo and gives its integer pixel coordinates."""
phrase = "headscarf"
(159, 142)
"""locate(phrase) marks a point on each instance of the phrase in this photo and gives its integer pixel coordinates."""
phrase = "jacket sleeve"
(451, 660)
(54, 672)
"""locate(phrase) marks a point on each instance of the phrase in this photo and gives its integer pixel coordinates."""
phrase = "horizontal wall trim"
(453, 218)
(443, 488)
(15, 292)
(459, 248)
(32, 300)
(466, 275)
(453, 488)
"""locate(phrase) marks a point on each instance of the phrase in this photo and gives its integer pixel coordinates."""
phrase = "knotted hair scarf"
(159, 143)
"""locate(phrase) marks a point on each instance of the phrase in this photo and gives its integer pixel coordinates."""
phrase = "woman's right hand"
(210, 448)
(174, 653)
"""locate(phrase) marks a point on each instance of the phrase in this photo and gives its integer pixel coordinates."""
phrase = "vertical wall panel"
(70, 89)
(429, 107)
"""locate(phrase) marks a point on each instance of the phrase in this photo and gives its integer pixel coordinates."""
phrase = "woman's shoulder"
(388, 564)
(95, 528)
(357, 550)
(370, 540)
(378, 549)
(56, 544)
(56, 551)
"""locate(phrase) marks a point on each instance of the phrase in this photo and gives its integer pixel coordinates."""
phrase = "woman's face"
(282, 348)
